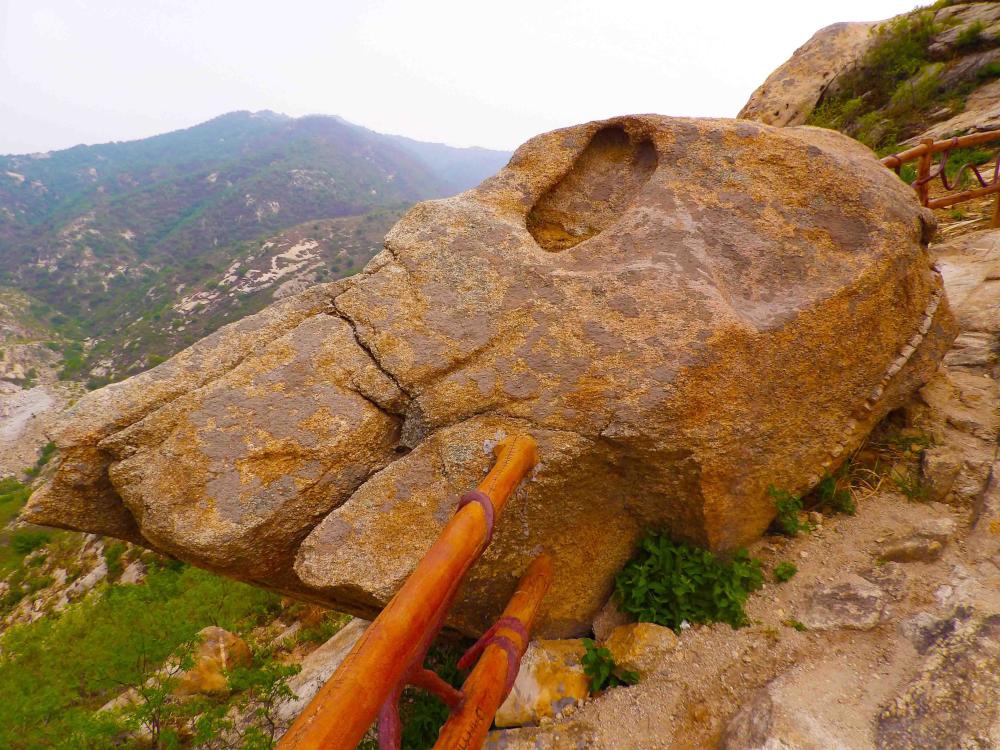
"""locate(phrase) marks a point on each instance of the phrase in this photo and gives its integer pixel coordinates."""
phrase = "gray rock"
(890, 577)
(751, 727)
(572, 735)
(952, 701)
(773, 719)
(609, 618)
(913, 548)
(983, 542)
(939, 467)
(924, 544)
(317, 668)
(924, 630)
(134, 573)
(853, 603)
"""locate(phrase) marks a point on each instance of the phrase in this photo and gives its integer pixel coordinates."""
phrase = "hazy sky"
(464, 72)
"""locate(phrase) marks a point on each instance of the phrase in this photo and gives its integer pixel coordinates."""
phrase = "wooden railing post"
(924, 172)
(391, 651)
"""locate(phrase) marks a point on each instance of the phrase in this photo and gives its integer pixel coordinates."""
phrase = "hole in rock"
(597, 189)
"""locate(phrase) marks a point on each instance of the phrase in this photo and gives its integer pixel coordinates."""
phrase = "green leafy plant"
(784, 571)
(789, 507)
(599, 666)
(831, 497)
(795, 624)
(670, 583)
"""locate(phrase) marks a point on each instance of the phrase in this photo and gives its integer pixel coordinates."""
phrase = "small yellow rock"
(550, 680)
(641, 646)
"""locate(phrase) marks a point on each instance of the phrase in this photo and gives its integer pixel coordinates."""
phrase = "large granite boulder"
(682, 312)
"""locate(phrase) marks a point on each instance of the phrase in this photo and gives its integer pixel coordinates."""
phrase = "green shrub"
(25, 541)
(13, 492)
(989, 70)
(57, 671)
(113, 552)
(784, 571)
(832, 498)
(669, 583)
(893, 76)
(795, 624)
(601, 670)
(325, 629)
(789, 507)
(969, 37)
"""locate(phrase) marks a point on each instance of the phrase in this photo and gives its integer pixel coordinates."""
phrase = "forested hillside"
(111, 238)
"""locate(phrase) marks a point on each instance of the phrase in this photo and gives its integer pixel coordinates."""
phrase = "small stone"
(853, 603)
(939, 468)
(641, 647)
(924, 544)
(815, 517)
(939, 529)
(609, 618)
(912, 549)
(550, 679)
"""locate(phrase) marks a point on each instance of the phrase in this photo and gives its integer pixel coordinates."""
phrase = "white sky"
(462, 72)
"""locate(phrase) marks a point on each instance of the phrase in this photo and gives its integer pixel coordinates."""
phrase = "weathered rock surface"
(641, 647)
(791, 92)
(852, 603)
(765, 723)
(952, 702)
(550, 680)
(658, 301)
(769, 687)
(921, 544)
(960, 406)
(316, 670)
(957, 19)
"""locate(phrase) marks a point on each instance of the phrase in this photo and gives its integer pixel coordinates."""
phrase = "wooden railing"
(925, 154)
(390, 655)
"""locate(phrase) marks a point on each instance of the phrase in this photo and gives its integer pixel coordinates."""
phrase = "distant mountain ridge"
(106, 232)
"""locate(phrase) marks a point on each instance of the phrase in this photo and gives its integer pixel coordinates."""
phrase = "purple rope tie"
(477, 496)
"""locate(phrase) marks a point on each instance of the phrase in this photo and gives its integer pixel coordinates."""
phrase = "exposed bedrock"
(683, 312)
